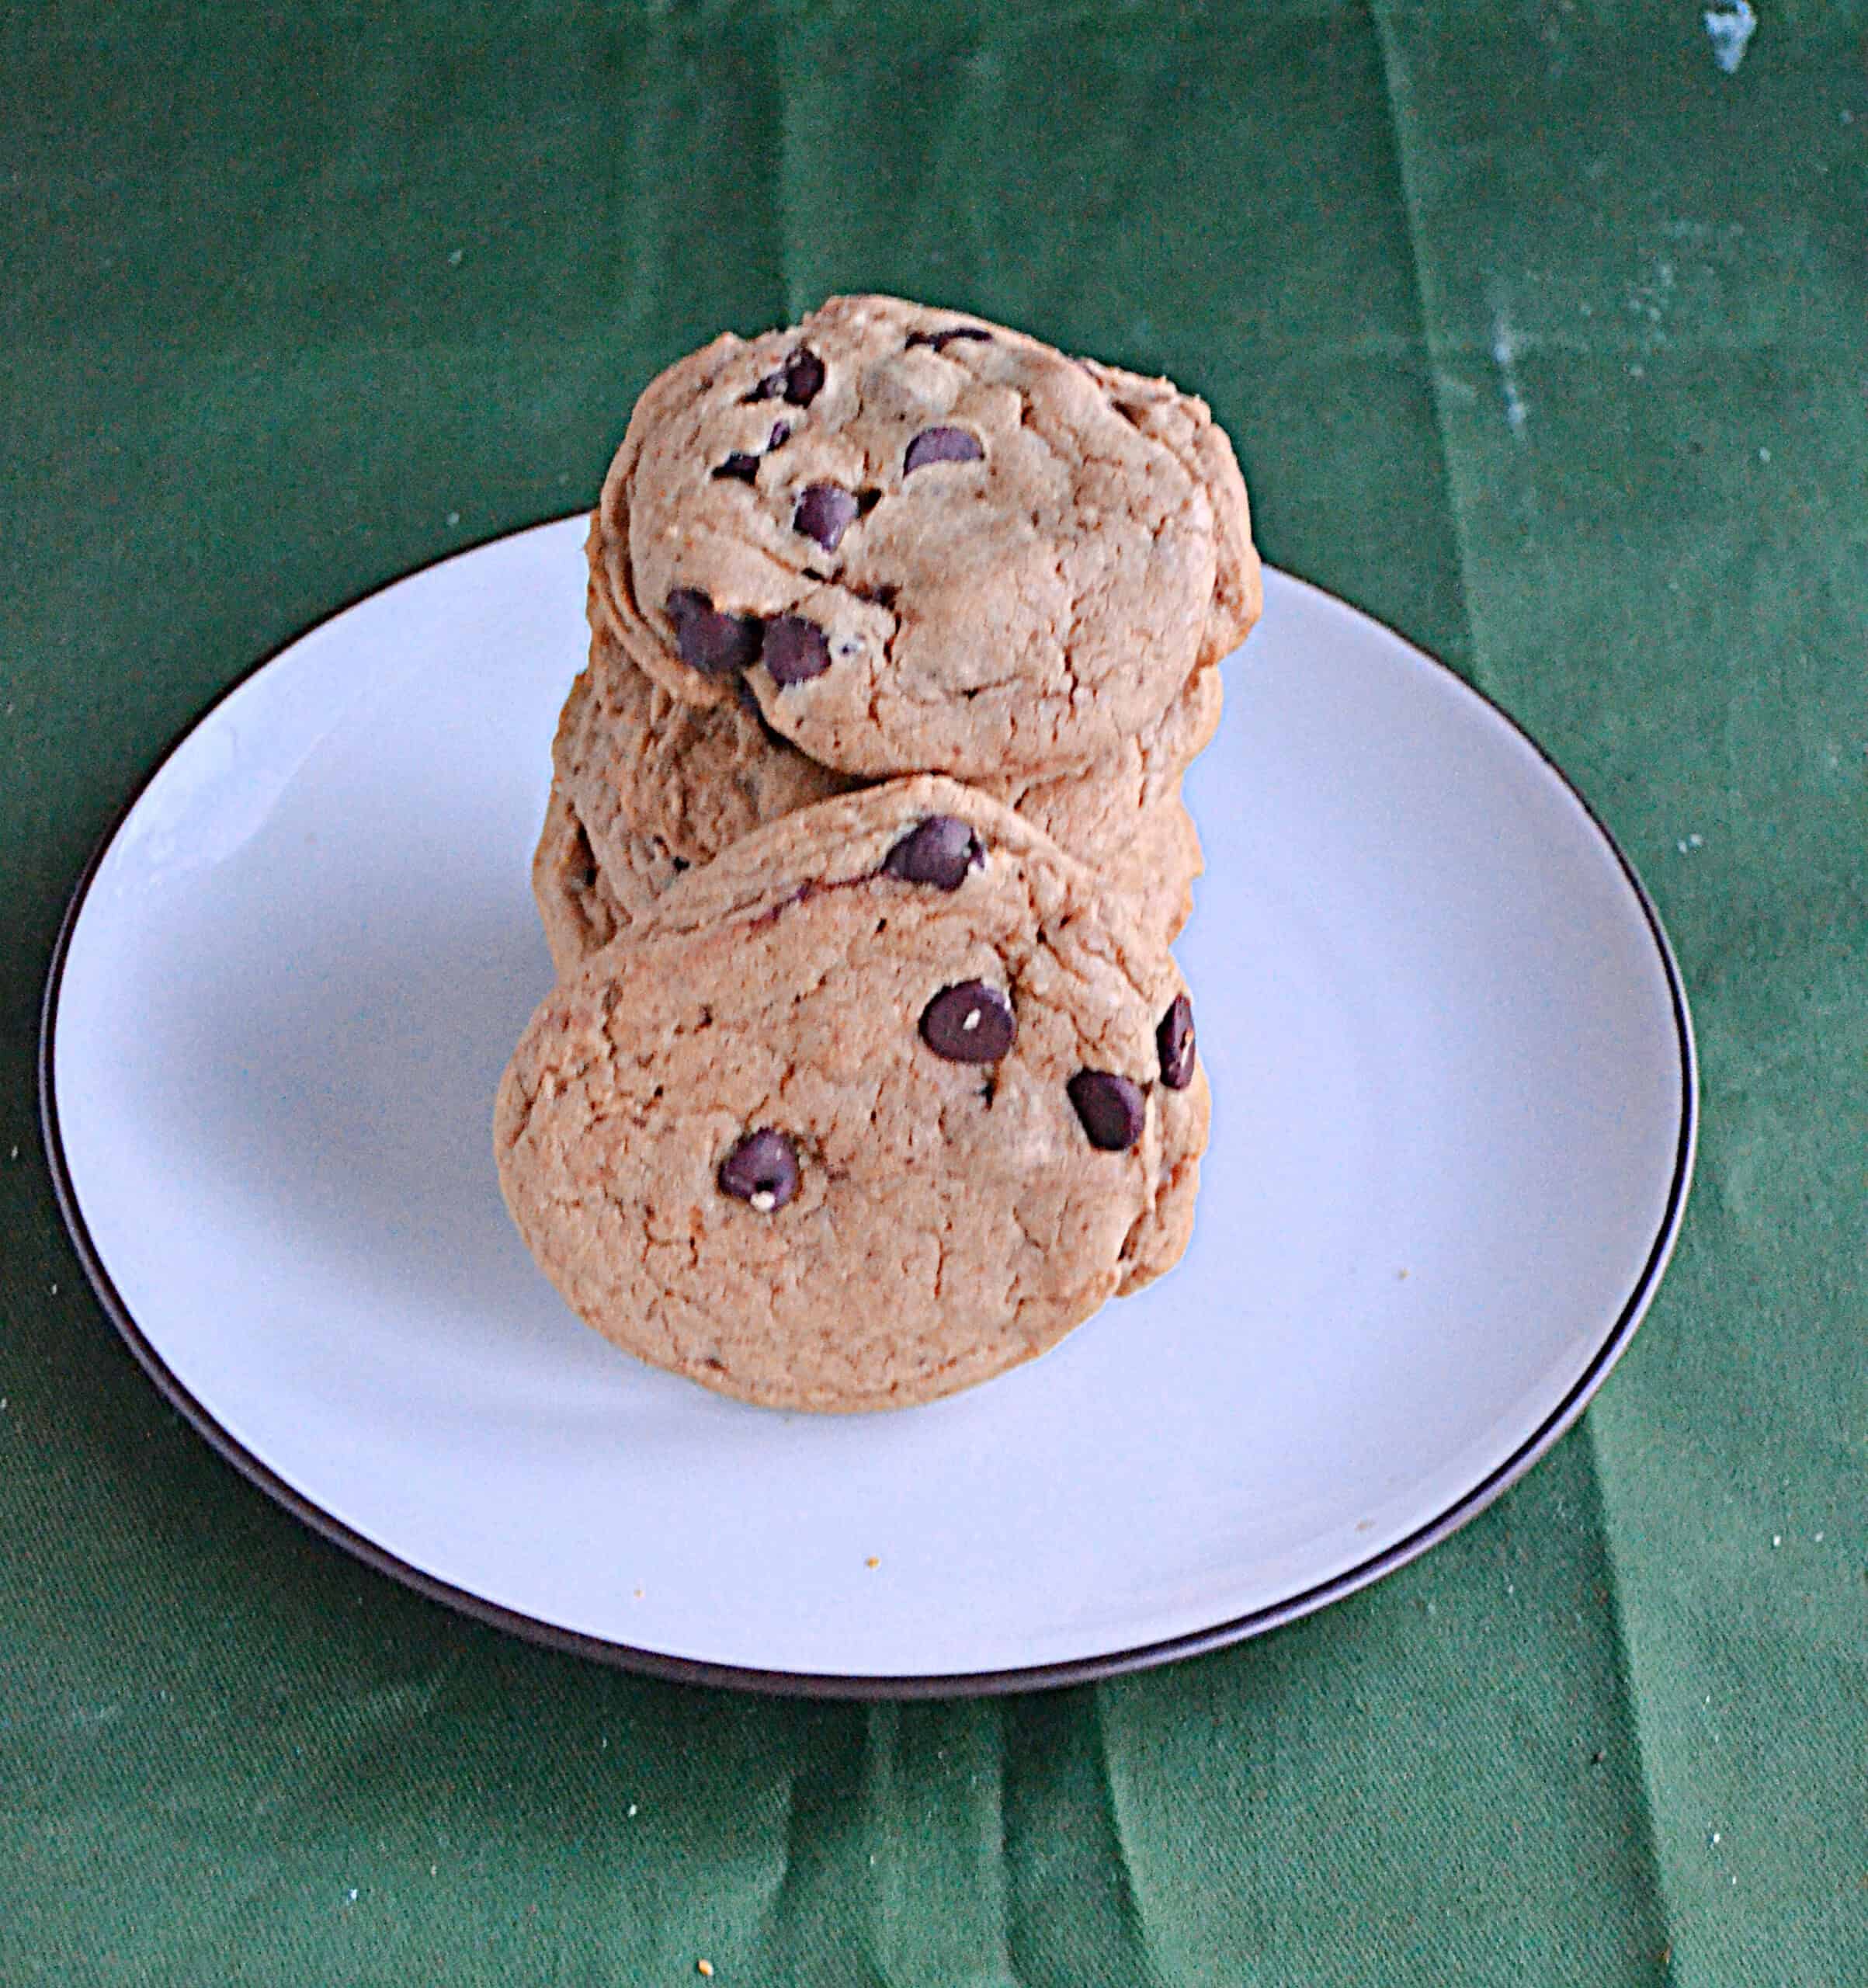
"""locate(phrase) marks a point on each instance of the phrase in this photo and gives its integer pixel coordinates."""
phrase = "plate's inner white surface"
(1447, 1096)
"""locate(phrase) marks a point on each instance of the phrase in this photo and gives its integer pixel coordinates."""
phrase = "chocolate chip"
(762, 1168)
(716, 645)
(941, 340)
(803, 376)
(795, 650)
(970, 1023)
(1112, 1109)
(941, 445)
(745, 467)
(799, 380)
(1174, 1039)
(941, 851)
(825, 511)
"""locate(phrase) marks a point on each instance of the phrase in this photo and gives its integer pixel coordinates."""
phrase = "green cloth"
(1543, 338)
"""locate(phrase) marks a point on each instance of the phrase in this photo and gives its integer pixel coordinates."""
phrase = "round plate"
(1453, 1111)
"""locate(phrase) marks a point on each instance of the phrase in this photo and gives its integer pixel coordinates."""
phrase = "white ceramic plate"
(1453, 1130)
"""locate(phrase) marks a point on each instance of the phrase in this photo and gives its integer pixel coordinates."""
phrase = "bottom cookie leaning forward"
(880, 1103)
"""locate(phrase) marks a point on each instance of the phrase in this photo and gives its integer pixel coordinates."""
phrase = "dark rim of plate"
(1076, 1670)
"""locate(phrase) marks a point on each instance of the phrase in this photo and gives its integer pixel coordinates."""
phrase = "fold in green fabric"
(1541, 334)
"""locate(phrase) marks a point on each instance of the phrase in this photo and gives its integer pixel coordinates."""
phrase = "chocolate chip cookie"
(881, 1101)
(648, 777)
(922, 541)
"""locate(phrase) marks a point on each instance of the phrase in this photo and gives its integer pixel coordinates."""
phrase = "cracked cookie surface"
(922, 541)
(881, 1101)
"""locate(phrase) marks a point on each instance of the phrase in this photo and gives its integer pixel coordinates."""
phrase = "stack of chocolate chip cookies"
(868, 1073)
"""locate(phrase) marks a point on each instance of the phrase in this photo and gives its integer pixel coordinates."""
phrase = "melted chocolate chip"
(798, 381)
(941, 340)
(1113, 1110)
(741, 466)
(941, 445)
(941, 851)
(825, 511)
(762, 1168)
(1174, 1039)
(780, 435)
(795, 650)
(970, 1023)
(716, 645)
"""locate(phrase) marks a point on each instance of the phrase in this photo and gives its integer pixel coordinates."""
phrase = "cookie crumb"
(872, 1562)
(704, 1967)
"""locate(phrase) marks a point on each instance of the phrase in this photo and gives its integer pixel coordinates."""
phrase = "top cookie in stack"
(892, 541)
(895, 539)
(922, 541)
